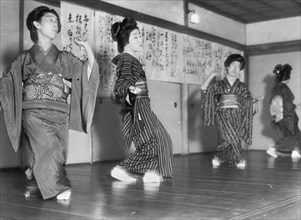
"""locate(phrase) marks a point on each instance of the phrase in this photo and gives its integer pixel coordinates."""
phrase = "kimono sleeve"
(247, 115)
(288, 106)
(208, 105)
(276, 108)
(83, 93)
(11, 100)
(126, 78)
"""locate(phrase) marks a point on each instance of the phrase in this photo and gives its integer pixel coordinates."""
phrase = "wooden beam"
(280, 47)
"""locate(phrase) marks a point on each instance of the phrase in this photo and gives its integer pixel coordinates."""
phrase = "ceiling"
(250, 11)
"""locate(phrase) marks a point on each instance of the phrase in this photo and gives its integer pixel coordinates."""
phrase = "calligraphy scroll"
(106, 49)
(162, 53)
(77, 23)
(198, 62)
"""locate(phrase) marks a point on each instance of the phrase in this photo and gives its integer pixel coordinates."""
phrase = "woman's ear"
(36, 24)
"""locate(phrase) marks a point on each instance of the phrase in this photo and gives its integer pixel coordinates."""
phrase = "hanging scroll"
(217, 58)
(202, 57)
(197, 56)
(106, 49)
(77, 23)
(162, 53)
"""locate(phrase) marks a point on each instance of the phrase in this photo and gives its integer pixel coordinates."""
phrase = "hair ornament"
(115, 30)
(118, 29)
(277, 69)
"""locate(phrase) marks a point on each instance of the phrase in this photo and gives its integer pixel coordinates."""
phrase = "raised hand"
(208, 80)
(85, 44)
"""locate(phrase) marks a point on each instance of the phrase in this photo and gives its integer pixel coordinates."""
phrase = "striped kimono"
(288, 125)
(33, 93)
(154, 150)
(234, 124)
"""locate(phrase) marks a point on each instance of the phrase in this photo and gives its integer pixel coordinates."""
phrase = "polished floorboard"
(266, 189)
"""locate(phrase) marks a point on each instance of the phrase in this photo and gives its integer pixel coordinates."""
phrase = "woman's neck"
(231, 79)
(45, 44)
(130, 52)
(285, 81)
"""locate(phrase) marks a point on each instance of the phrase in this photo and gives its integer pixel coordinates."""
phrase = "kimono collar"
(115, 60)
(39, 56)
(45, 64)
(226, 81)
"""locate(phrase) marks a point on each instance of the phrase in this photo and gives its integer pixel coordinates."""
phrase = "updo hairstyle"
(235, 57)
(36, 15)
(121, 31)
(282, 72)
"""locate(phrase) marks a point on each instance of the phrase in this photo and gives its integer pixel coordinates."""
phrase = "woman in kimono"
(154, 152)
(229, 104)
(33, 94)
(284, 115)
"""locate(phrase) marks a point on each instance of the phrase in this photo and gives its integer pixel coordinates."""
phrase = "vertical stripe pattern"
(234, 124)
(154, 150)
(47, 132)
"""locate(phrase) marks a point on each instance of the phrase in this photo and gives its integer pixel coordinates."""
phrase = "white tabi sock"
(272, 152)
(64, 195)
(295, 154)
(152, 177)
(120, 174)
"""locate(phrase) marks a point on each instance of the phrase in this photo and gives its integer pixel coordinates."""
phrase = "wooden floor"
(267, 189)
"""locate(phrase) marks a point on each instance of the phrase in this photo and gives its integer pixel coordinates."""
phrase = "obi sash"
(276, 108)
(45, 86)
(229, 101)
(141, 83)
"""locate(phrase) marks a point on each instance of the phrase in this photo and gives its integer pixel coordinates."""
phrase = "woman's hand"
(208, 80)
(134, 90)
(81, 43)
(85, 44)
(213, 74)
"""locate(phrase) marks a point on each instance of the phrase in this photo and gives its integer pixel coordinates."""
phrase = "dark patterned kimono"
(33, 93)
(230, 107)
(154, 150)
(289, 124)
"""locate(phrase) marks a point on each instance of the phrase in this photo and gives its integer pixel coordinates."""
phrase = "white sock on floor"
(272, 152)
(215, 162)
(151, 177)
(64, 195)
(295, 154)
(120, 174)
(241, 164)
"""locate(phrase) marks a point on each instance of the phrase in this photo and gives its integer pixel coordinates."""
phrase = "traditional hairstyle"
(282, 72)
(121, 32)
(235, 57)
(36, 15)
